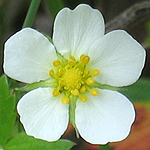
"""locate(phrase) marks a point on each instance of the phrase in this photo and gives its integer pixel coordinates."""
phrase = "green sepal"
(72, 107)
(105, 86)
(44, 83)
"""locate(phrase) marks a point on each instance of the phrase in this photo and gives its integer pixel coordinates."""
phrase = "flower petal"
(28, 56)
(43, 116)
(75, 30)
(119, 58)
(104, 118)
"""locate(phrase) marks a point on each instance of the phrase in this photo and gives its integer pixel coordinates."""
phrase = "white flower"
(75, 75)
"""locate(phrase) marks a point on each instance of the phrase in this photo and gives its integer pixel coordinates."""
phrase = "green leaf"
(24, 142)
(4, 89)
(54, 6)
(7, 115)
(138, 92)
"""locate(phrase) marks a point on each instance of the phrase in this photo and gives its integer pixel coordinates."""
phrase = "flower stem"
(29, 20)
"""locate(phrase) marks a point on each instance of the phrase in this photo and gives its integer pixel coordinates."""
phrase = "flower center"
(73, 78)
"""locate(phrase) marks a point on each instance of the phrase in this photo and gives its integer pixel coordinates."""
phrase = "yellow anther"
(85, 72)
(84, 59)
(60, 72)
(94, 92)
(83, 99)
(72, 63)
(65, 100)
(72, 58)
(55, 92)
(90, 81)
(75, 92)
(56, 63)
(95, 72)
(62, 83)
(83, 89)
(51, 73)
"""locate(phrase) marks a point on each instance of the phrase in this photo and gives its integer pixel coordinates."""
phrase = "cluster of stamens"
(73, 78)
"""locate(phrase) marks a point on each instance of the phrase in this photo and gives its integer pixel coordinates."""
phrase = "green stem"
(29, 20)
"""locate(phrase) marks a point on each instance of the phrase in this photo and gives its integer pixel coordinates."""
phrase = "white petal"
(104, 118)
(75, 30)
(43, 116)
(28, 56)
(119, 58)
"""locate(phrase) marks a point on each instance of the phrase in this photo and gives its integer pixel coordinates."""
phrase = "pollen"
(83, 99)
(84, 59)
(51, 73)
(55, 92)
(90, 81)
(94, 92)
(65, 100)
(75, 92)
(85, 72)
(60, 72)
(56, 63)
(82, 89)
(95, 72)
(72, 63)
(72, 58)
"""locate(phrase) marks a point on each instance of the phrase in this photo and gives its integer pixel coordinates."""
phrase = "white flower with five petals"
(74, 75)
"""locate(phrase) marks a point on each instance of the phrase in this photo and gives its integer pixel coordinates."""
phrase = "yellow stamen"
(55, 92)
(83, 99)
(83, 89)
(61, 83)
(94, 92)
(84, 59)
(60, 72)
(56, 63)
(95, 72)
(85, 72)
(72, 58)
(65, 100)
(71, 63)
(75, 92)
(90, 81)
(51, 73)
